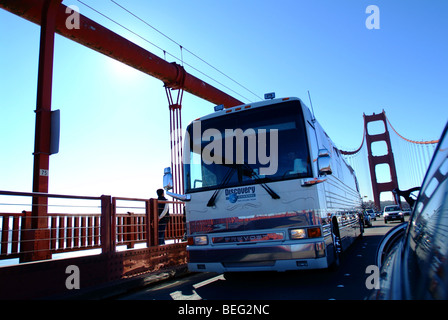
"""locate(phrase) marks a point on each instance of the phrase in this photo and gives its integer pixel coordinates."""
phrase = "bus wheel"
(337, 245)
(336, 254)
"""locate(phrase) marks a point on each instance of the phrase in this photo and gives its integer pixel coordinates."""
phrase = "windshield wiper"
(228, 176)
(224, 182)
(271, 192)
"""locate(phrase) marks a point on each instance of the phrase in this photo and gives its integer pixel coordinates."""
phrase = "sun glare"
(121, 71)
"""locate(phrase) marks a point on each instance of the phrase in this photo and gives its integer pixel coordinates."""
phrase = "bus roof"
(244, 107)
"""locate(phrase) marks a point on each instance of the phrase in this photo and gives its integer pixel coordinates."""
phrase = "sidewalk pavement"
(117, 288)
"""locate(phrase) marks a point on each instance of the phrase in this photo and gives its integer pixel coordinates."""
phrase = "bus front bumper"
(311, 255)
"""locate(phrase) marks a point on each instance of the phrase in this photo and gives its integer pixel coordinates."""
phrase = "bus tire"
(234, 276)
(336, 262)
(337, 245)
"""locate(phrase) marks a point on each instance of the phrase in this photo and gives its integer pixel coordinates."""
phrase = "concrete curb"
(117, 288)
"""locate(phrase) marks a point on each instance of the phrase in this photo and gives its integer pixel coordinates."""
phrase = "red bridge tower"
(388, 158)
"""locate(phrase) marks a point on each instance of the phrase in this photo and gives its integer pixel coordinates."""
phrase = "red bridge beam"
(107, 42)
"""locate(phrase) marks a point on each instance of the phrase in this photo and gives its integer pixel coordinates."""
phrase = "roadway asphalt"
(348, 282)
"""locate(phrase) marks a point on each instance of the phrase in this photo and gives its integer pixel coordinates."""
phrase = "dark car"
(371, 213)
(367, 219)
(413, 257)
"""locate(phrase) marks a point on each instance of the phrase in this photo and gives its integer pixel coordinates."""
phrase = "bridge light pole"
(38, 237)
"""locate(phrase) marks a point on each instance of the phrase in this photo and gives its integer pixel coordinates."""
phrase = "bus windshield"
(254, 146)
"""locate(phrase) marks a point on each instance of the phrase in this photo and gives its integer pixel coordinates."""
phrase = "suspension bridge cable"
(415, 158)
(422, 161)
(420, 157)
(427, 154)
(164, 51)
(182, 47)
(409, 154)
(358, 161)
(412, 141)
(348, 153)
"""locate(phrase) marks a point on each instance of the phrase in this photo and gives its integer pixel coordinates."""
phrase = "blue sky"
(115, 120)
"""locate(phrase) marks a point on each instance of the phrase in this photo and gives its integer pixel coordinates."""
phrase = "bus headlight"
(198, 241)
(297, 233)
(302, 233)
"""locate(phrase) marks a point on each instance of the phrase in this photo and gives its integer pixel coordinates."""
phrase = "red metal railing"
(112, 226)
(70, 232)
(132, 226)
(12, 241)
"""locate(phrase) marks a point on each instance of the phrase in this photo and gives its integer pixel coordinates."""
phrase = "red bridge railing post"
(130, 227)
(107, 225)
(152, 223)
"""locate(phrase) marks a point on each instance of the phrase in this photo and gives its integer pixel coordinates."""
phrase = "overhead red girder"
(109, 43)
(51, 15)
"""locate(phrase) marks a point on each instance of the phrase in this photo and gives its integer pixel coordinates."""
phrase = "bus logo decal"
(240, 194)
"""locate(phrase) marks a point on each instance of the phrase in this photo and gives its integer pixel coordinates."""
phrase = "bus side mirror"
(323, 162)
(167, 179)
(168, 185)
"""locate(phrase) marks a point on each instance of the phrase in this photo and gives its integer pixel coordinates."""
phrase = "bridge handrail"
(68, 232)
(48, 195)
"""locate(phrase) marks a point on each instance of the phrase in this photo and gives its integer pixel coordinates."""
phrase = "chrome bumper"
(250, 257)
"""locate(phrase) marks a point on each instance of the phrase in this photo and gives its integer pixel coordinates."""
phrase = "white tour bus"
(266, 189)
